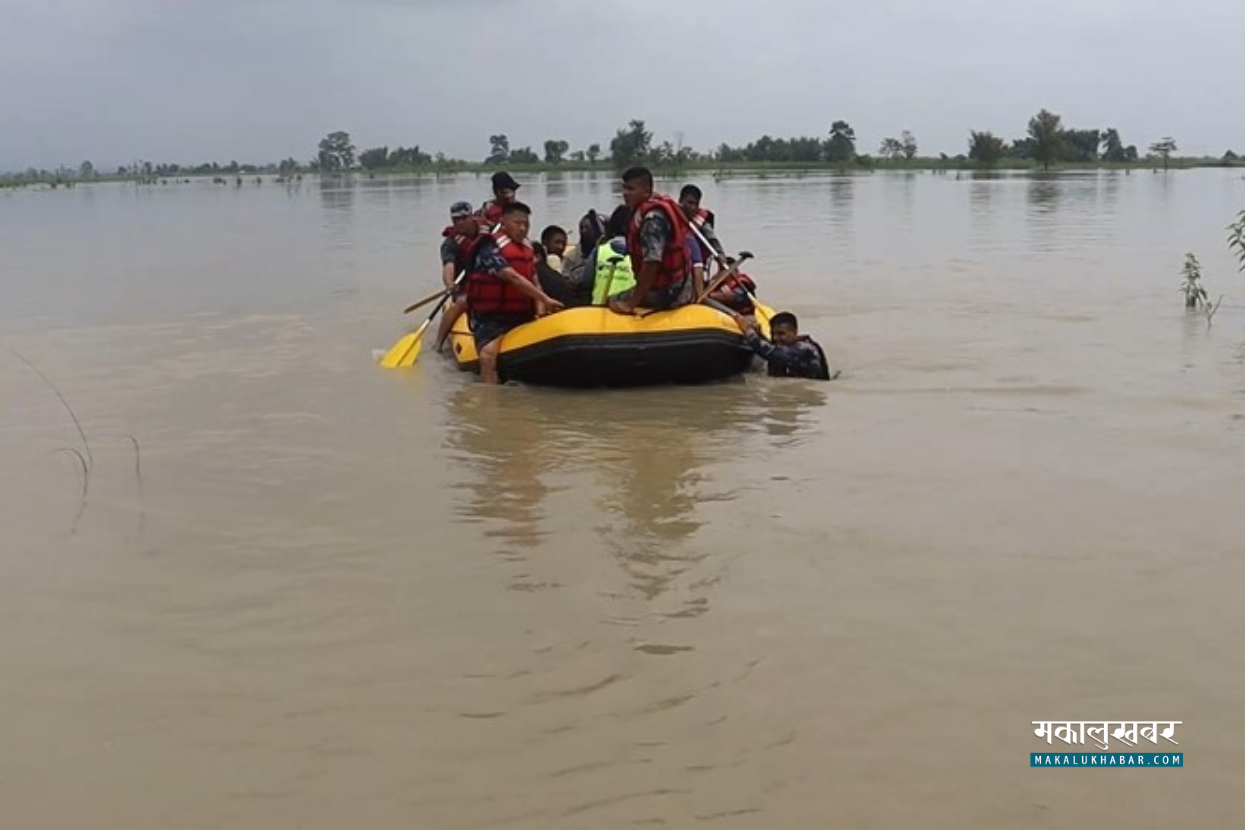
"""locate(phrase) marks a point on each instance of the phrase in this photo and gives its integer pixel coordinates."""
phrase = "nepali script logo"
(1078, 733)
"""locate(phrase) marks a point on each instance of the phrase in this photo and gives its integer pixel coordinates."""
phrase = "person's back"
(613, 271)
(608, 276)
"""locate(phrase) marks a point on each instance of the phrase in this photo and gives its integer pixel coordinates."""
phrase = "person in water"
(791, 354)
(459, 238)
(502, 288)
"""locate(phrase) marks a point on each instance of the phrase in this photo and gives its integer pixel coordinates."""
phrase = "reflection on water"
(637, 466)
(842, 203)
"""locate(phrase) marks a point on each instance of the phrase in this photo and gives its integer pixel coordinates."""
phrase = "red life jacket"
(465, 245)
(491, 294)
(676, 264)
(491, 212)
(735, 283)
(703, 217)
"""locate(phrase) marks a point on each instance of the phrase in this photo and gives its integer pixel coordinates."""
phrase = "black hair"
(641, 174)
(690, 190)
(784, 318)
(516, 207)
(617, 224)
(588, 237)
(549, 233)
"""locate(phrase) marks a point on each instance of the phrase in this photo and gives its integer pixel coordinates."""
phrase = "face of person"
(556, 244)
(690, 205)
(466, 225)
(505, 195)
(635, 193)
(784, 335)
(516, 225)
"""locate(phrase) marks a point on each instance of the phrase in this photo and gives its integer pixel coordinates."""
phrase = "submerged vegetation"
(1195, 296)
(1046, 143)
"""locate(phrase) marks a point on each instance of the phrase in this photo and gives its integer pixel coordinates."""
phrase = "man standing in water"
(791, 354)
(502, 292)
(657, 245)
(460, 237)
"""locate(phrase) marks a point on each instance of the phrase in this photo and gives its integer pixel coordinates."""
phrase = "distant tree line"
(1045, 142)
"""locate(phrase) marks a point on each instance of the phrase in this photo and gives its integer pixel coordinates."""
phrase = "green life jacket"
(603, 285)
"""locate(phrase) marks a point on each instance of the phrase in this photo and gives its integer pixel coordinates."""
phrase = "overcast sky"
(258, 80)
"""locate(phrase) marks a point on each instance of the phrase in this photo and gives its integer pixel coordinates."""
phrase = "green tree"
(841, 147)
(409, 157)
(985, 148)
(555, 150)
(578, 155)
(374, 158)
(524, 155)
(1164, 149)
(1046, 130)
(288, 167)
(908, 141)
(594, 153)
(630, 146)
(1112, 147)
(336, 152)
(86, 170)
(1080, 145)
(499, 149)
(891, 148)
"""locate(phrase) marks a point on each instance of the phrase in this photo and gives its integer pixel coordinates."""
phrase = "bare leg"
(448, 319)
(488, 361)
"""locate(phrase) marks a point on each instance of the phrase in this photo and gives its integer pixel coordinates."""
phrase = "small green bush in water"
(1194, 293)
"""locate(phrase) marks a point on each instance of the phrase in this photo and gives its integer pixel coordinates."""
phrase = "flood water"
(304, 591)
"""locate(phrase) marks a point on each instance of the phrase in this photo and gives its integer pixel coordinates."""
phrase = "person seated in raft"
(791, 354)
(504, 192)
(609, 266)
(736, 292)
(575, 263)
(702, 220)
(553, 240)
(549, 266)
(657, 245)
(502, 291)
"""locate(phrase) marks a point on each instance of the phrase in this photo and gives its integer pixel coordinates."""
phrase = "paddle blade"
(398, 352)
(406, 351)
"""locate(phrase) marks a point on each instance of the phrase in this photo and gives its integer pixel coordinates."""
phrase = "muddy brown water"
(325, 595)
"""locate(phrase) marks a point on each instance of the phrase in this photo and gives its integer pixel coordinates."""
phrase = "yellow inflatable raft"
(593, 346)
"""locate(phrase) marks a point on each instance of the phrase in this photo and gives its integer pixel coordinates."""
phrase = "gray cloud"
(258, 80)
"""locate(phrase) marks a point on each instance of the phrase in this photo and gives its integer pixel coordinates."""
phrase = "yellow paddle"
(406, 351)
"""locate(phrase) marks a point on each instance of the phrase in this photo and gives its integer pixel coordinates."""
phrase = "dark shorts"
(487, 327)
(671, 296)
